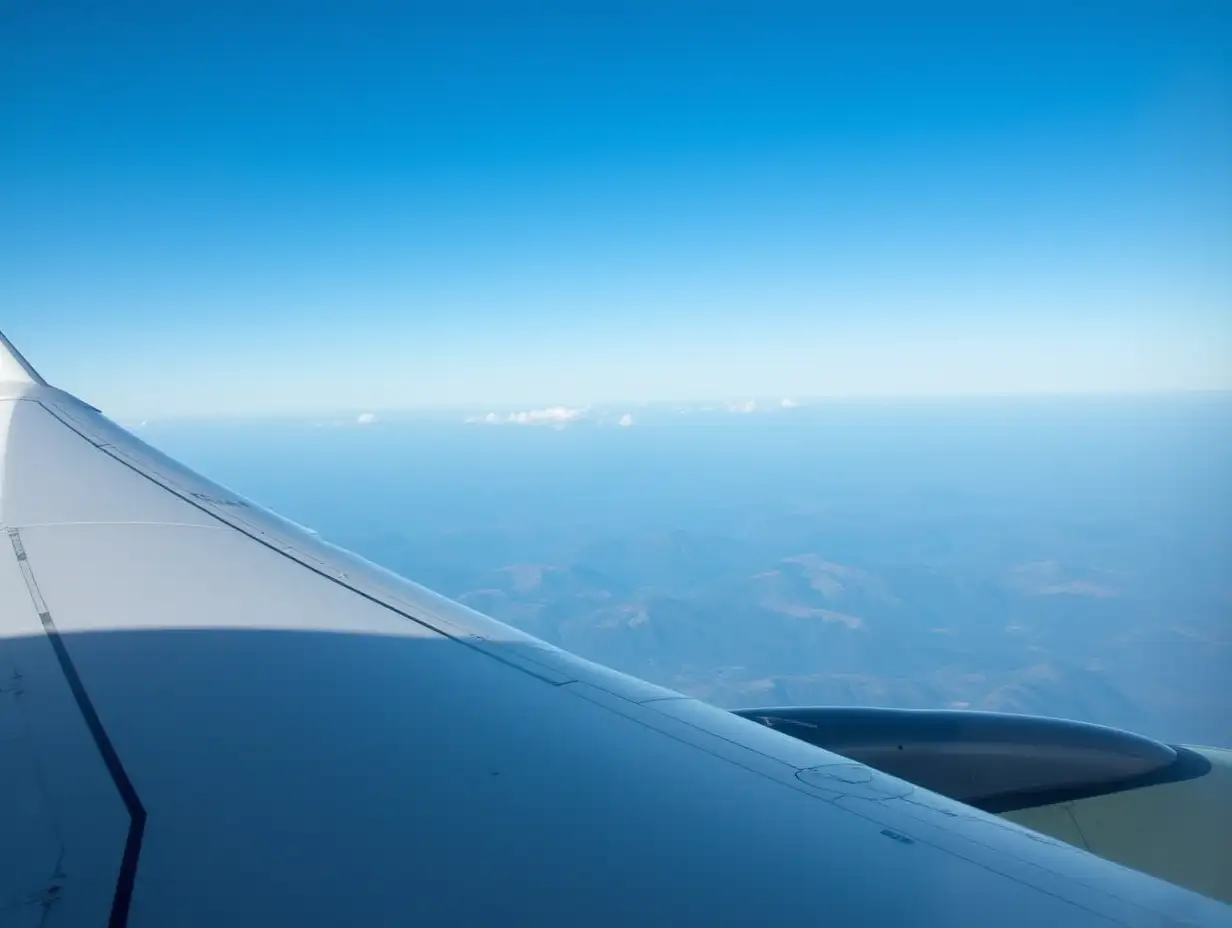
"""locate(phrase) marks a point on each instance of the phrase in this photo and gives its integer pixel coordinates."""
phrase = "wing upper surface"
(313, 740)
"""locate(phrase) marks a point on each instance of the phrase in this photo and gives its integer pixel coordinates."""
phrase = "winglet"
(14, 368)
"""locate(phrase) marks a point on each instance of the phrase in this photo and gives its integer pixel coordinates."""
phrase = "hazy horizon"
(603, 411)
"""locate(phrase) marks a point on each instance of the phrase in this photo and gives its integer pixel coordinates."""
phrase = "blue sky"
(215, 209)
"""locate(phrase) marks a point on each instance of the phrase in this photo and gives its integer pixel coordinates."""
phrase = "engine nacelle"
(1163, 809)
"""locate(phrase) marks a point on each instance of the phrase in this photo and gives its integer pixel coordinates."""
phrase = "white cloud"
(787, 402)
(558, 416)
(365, 418)
(747, 406)
(549, 415)
(626, 420)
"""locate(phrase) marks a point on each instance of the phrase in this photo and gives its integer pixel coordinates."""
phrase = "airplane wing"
(211, 716)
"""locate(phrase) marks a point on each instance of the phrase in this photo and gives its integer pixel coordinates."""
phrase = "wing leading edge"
(212, 716)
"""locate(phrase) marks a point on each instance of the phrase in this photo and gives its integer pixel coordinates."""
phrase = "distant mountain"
(803, 630)
(1061, 557)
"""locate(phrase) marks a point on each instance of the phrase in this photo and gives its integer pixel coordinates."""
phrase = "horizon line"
(777, 403)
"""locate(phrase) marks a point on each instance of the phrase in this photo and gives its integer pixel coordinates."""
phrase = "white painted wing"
(209, 716)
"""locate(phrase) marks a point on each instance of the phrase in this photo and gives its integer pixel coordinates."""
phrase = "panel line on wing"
(122, 899)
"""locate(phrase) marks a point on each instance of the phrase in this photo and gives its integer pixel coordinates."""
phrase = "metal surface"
(307, 739)
(994, 760)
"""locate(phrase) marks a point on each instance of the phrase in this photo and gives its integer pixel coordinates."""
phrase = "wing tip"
(13, 367)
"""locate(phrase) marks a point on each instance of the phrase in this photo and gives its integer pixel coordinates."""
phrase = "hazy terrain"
(1059, 556)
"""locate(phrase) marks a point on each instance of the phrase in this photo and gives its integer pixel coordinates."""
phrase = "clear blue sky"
(254, 208)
